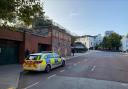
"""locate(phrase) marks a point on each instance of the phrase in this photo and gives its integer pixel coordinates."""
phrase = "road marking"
(31, 85)
(51, 76)
(124, 84)
(93, 68)
(62, 70)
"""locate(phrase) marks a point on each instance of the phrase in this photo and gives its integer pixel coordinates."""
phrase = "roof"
(36, 54)
(41, 53)
(35, 31)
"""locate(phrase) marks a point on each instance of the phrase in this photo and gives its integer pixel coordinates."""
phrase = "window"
(50, 56)
(91, 43)
(56, 55)
(34, 57)
(54, 33)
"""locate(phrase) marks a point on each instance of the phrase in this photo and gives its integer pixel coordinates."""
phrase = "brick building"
(14, 43)
(61, 41)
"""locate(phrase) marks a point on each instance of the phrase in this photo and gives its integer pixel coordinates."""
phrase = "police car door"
(56, 57)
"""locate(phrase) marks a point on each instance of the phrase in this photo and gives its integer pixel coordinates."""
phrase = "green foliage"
(127, 35)
(37, 10)
(40, 21)
(7, 9)
(112, 42)
(27, 13)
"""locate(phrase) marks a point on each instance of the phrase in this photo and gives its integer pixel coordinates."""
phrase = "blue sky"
(89, 16)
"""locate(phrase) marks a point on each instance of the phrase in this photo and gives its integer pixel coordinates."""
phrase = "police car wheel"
(63, 64)
(47, 69)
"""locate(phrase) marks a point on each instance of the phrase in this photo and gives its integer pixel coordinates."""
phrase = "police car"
(43, 62)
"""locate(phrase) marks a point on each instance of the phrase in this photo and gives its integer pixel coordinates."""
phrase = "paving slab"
(9, 76)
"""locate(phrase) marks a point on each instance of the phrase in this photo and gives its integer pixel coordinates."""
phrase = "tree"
(112, 42)
(27, 14)
(42, 21)
(115, 40)
(127, 35)
(37, 10)
(7, 9)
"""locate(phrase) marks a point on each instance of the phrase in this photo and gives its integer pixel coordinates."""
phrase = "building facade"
(61, 41)
(13, 44)
(90, 41)
(108, 33)
(124, 42)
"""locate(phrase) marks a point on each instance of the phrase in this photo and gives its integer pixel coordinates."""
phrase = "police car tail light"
(24, 62)
(38, 62)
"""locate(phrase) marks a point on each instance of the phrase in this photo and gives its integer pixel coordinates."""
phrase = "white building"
(124, 42)
(98, 39)
(108, 33)
(90, 41)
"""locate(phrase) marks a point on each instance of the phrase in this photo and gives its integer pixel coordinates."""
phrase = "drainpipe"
(51, 38)
(24, 42)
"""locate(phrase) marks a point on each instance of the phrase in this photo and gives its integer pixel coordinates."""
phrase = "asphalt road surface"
(93, 70)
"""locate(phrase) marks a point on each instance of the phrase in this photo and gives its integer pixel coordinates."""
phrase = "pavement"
(75, 55)
(9, 76)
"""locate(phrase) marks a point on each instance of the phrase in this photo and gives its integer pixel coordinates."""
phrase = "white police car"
(43, 61)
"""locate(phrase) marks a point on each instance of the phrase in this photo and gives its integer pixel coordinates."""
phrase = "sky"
(89, 17)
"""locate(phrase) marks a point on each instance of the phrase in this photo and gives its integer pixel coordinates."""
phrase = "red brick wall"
(61, 41)
(11, 35)
(31, 41)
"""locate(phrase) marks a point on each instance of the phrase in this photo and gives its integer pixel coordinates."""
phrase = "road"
(94, 70)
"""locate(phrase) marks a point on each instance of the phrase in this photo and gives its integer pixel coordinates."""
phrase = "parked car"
(43, 61)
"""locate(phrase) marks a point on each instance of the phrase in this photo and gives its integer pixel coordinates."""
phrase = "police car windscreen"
(33, 57)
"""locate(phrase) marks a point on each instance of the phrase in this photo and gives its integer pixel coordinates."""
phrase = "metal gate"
(9, 51)
(42, 47)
